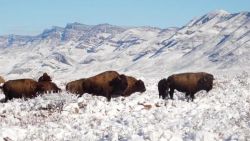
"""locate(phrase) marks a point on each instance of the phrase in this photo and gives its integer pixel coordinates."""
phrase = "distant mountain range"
(217, 40)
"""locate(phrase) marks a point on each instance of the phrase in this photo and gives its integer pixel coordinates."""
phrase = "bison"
(134, 85)
(45, 77)
(19, 88)
(106, 84)
(75, 86)
(189, 83)
(47, 86)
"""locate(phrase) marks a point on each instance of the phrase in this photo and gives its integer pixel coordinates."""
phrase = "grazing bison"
(47, 86)
(189, 83)
(134, 85)
(108, 83)
(19, 88)
(75, 87)
(45, 77)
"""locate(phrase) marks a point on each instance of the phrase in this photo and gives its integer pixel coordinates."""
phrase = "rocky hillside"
(217, 40)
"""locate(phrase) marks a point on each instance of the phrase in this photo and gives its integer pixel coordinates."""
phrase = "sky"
(31, 17)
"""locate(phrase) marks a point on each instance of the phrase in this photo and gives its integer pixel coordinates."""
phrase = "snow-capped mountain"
(217, 40)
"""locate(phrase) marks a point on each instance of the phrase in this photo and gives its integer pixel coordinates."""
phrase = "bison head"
(206, 82)
(139, 85)
(163, 88)
(119, 84)
(45, 77)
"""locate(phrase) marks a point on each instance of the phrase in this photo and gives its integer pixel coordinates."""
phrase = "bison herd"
(108, 84)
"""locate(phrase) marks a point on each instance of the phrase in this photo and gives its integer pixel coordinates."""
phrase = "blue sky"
(30, 17)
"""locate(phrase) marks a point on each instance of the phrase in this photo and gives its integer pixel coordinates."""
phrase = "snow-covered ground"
(221, 114)
(217, 42)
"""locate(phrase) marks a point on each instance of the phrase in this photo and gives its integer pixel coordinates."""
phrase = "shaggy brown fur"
(106, 84)
(189, 83)
(19, 88)
(47, 87)
(134, 85)
(75, 87)
(45, 77)
(1, 80)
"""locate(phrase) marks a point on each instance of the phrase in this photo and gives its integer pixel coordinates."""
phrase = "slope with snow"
(221, 114)
(217, 42)
(218, 39)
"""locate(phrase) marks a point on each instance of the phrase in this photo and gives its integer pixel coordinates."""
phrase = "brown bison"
(134, 85)
(108, 83)
(45, 77)
(189, 83)
(75, 87)
(47, 86)
(19, 88)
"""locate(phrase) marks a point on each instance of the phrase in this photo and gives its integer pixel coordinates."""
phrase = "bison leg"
(161, 92)
(59, 90)
(108, 96)
(192, 96)
(187, 95)
(171, 93)
(79, 95)
(6, 99)
(164, 95)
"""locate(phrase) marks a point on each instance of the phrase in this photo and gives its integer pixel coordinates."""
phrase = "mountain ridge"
(214, 41)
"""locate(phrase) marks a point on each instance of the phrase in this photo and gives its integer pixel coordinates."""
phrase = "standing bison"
(134, 85)
(75, 86)
(106, 84)
(19, 88)
(189, 83)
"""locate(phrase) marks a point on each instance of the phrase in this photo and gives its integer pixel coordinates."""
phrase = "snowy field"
(217, 42)
(221, 114)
